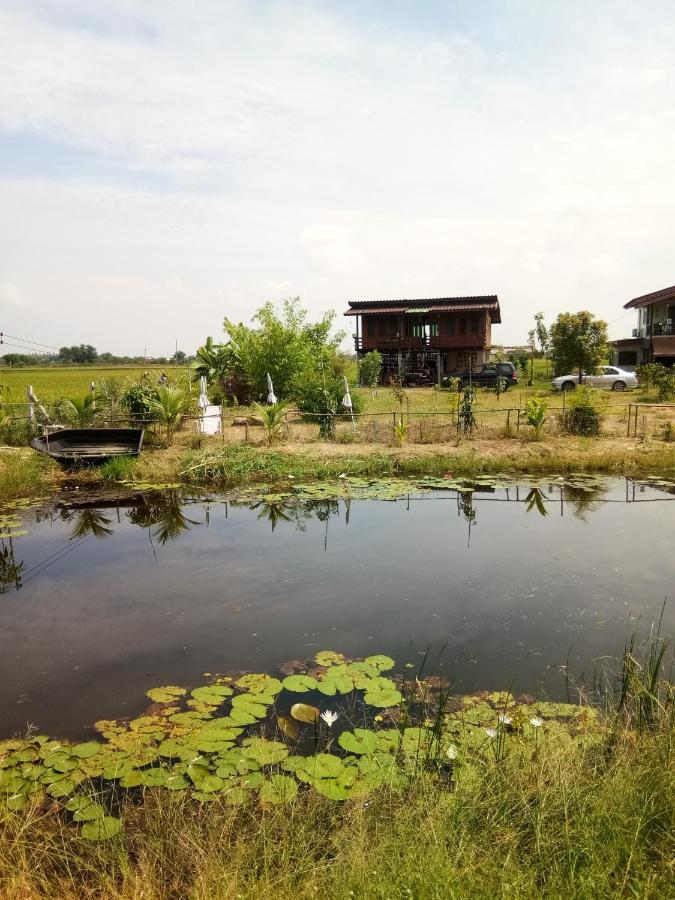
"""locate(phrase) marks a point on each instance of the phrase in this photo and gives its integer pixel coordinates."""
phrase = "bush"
(16, 432)
(582, 416)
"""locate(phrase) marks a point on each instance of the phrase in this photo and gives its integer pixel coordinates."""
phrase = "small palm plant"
(400, 432)
(535, 413)
(78, 411)
(168, 405)
(274, 418)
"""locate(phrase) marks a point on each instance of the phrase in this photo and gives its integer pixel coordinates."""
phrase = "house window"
(433, 329)
(418, 330)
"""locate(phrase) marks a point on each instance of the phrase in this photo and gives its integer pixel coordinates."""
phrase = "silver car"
(611, 378)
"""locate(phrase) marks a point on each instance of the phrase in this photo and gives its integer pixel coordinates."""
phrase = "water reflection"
(104, 597)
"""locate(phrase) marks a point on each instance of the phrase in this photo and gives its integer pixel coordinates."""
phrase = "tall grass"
(586, 814)
(23, 473)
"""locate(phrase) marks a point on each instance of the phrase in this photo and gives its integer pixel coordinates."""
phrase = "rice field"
(51, 384)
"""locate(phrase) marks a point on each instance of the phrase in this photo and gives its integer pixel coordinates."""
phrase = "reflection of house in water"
(422, 340)
(654, 338)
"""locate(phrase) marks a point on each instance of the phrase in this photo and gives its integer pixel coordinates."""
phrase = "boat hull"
(78, 446)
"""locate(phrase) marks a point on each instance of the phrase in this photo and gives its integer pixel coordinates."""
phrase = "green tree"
(78, 354)
(78, 411)
(578, 343)
(168, 405)
(282, 343)
(274, 418)
(543, 337)
(370, 369)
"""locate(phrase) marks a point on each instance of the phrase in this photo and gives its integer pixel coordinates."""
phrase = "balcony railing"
(432, 342)
(654, 330)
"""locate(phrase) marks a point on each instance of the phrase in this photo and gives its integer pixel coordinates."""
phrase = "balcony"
(475, 341)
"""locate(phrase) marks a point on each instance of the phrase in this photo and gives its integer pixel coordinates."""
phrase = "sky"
(167, 163)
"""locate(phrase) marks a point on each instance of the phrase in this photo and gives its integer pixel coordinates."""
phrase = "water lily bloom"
(491, 732)
(504, 720)
(536, 722)
(452, 752)
(330, 717)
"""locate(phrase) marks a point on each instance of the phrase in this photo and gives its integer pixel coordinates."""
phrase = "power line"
(3, 335)
(24, 347)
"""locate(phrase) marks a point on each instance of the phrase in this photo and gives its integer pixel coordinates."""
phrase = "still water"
(104, 600)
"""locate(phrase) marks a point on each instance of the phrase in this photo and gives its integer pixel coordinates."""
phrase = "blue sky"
(164, 164)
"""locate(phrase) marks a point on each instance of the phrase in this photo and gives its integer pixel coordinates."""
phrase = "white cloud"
(305, 153)
(11, 295)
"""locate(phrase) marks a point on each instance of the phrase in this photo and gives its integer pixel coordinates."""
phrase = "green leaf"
(84, 809)
(167, 694)
(259, 684)
(213, 694)
(84, 751)
(131, 779)
(279, 789)
(329, 658)
(383, 698)
(246, 703)
(381, 663)
(176, 782)
(263, 751)
(61, 788)
(360, 741)
(299, 684)
(101, 829)
(304, 712)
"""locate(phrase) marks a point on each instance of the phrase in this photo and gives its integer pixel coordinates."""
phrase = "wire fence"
(240, 425)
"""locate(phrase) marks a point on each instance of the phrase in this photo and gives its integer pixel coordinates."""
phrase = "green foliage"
(168, 405)
(119, 468)
(466, 418)
(582, 415)
(78, 354)
(578, 343)
(274, 419)
(500, 387)
(282, 343)
(535, 414)
(370, 368)
(401, 429)
(650, 374)
(217, 363)
(79, 412)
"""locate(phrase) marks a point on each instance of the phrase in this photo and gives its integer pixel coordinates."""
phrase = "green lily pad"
(166, 694)
(213, 694)
(101, 829)
(290, 728)
(259, 684)
(84, 809)
(300, 684)
(84, 751)
(279, 789)
(381, 663)
(329, 658)
(176, 782)
(383, 698)
(360, 741)
(246, 703)
(263, 751)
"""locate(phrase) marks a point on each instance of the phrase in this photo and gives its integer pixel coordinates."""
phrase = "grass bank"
(575, 820)
(24, 473)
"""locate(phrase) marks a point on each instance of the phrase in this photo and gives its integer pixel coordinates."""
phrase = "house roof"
(489, 303)
(655, 297)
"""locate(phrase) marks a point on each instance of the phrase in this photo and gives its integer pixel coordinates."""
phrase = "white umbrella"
(271, 398)
(347, 401)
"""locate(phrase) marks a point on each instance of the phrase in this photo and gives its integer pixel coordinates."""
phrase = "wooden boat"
(70, 446)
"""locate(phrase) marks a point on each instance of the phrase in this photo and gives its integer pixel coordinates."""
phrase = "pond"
(496, 586)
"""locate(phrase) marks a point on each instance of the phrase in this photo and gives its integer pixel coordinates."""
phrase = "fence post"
(518, 422)
(31, 411)
(508, 423)
(630, 410)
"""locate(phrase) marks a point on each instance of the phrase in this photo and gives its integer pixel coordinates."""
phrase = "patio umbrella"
(271, 398)
(347, 401)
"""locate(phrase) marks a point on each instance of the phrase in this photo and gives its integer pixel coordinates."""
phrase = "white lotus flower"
(491, 732)
(504, 720)
(452, 752)
(536, 722)
(330, 717)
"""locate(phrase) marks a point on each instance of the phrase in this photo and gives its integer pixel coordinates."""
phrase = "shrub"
(274, 419)
(466, 419)
(119, 468)
(370, 368)
(582, 416)
(535, 413)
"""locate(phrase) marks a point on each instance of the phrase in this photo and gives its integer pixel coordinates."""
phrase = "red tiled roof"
(655, 297)
(431, 304)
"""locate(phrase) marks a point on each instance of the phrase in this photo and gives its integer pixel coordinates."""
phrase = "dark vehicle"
(487, 374)
(72, 446)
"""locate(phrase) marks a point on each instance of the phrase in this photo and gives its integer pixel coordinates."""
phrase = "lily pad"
(101, 829)
(329, 658)
(213, 694)
(300, 684)
(84, 751)
(167, 694)
(263, 751)
(279, 789)
(304, 712)
(259, 684)
(382, 663)
(290, 728)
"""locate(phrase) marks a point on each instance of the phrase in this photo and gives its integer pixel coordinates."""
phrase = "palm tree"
(78, 411)
(274, 418)
(168, 406)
